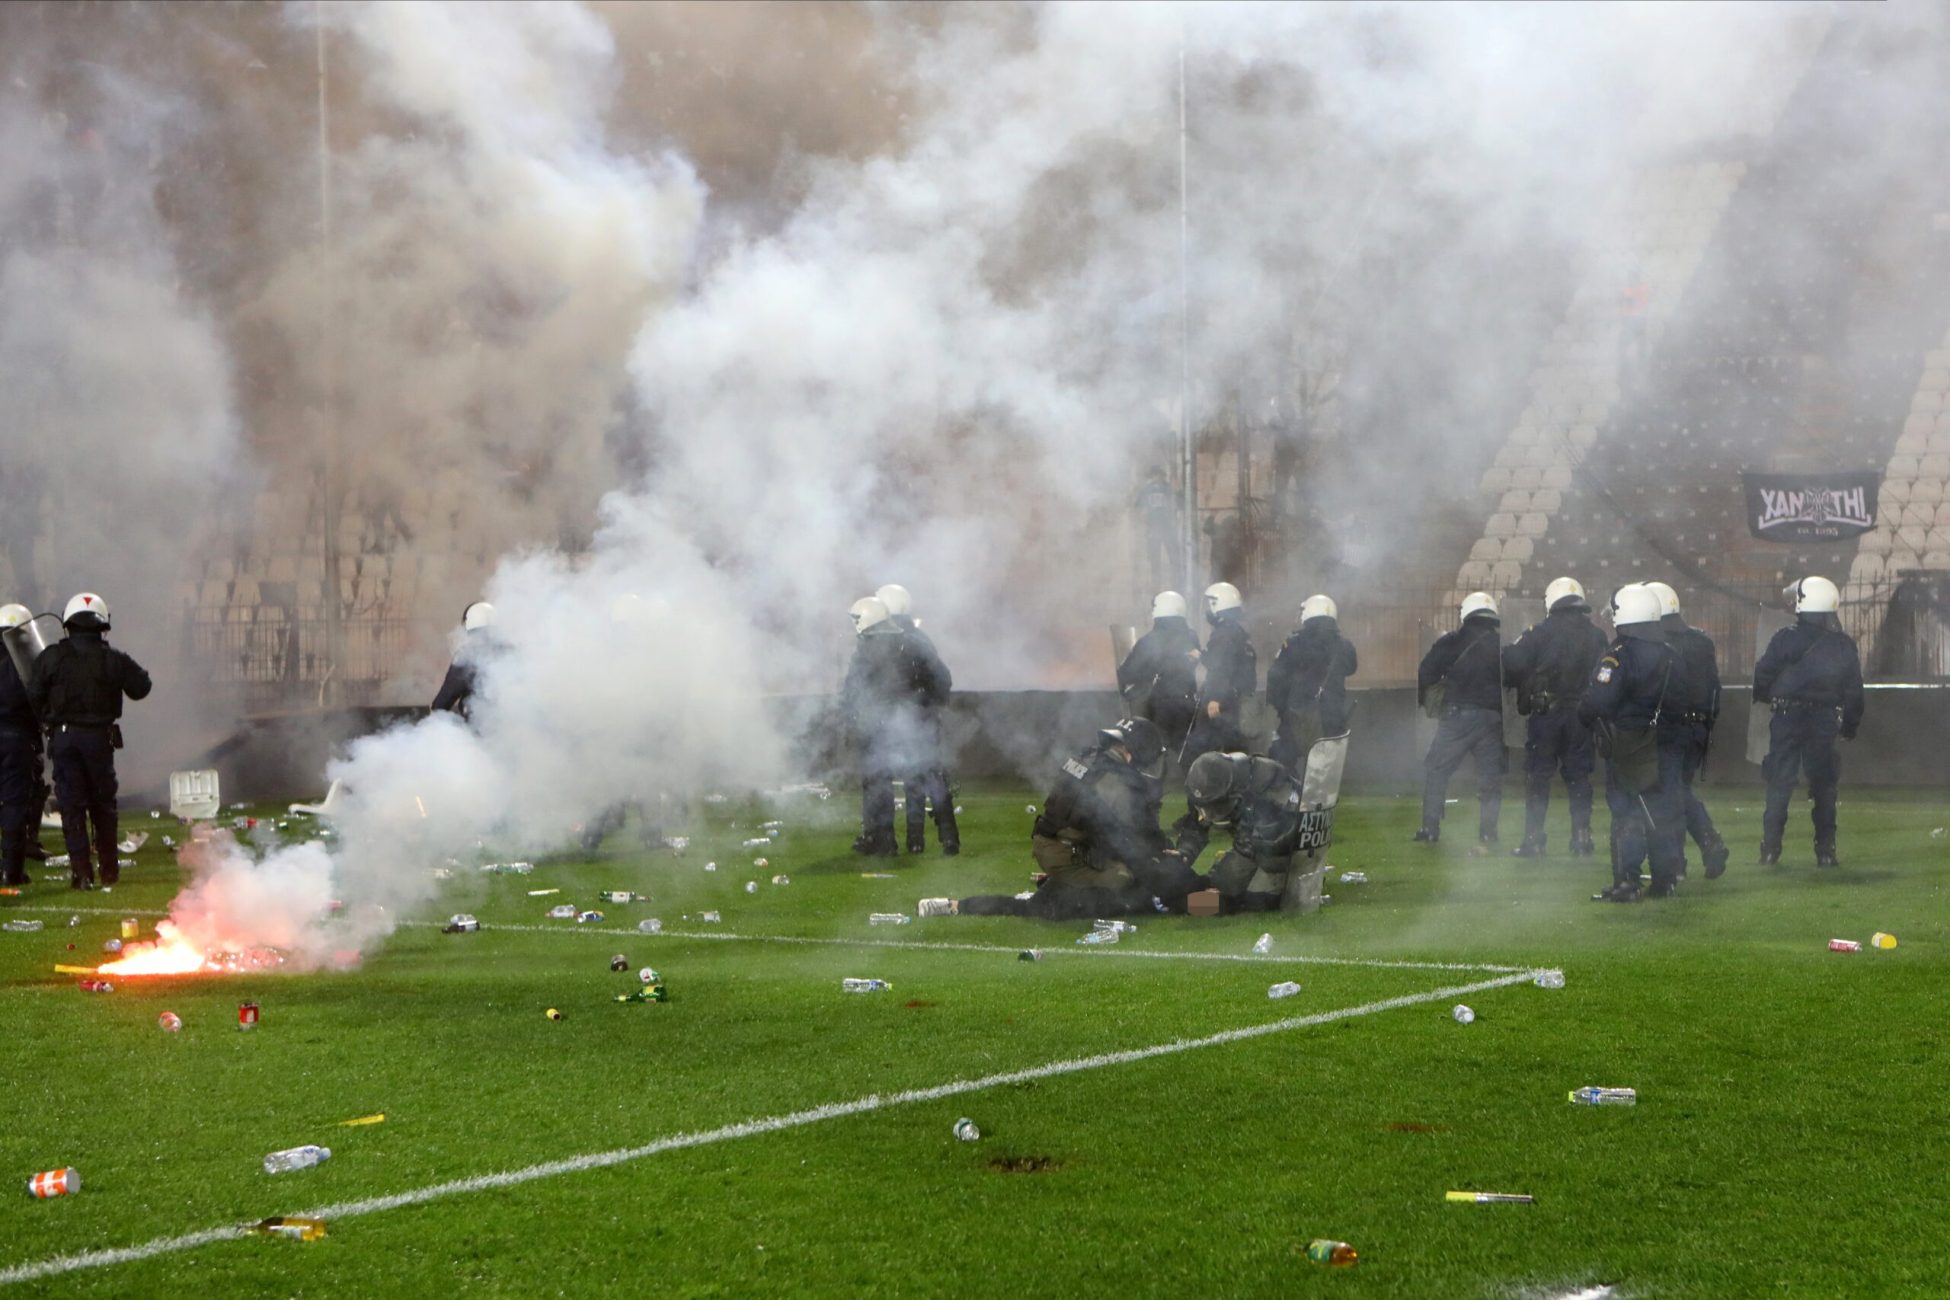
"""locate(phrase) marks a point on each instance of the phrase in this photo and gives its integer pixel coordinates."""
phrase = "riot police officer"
(1460, 683)
(1692, 711)
(1097, 838)
(77, 692)
(1231, 676)
(1548, 667)
(1629, 702)
(1307, 684)
(20, 761)
(929, 684)
(1159, 678)
(1258, 801)
(456, 693)
(1812, 677)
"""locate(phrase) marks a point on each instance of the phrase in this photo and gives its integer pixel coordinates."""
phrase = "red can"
(95, 986)
(1844, 945)
(247, 1015)
(55, 1182)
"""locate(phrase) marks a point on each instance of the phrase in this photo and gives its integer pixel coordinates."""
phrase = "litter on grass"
(651, 925)
(1882, 940)
(362, 1120)
(290, 1227)
(1284, 989)
(1489, 1198)
(1463, 1015)
(1549, 979)
(54, 1182)
(461, 923)
(965, 1130)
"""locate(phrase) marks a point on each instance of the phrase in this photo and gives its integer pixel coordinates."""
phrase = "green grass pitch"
(1790, 1137)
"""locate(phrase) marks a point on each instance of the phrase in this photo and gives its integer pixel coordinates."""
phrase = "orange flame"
(170, 954)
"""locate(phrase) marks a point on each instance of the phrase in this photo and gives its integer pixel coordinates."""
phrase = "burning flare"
(173, 953)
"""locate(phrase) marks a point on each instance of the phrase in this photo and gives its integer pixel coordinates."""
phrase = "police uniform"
(1098, 844)
(1630, 698)
(1812, 676)
(1264, 818)
(1231, 676)
(1159, 679)
(1693, 708)
(885, 730)
(78, 687)
(1307, 687)
(928, 686)
(1466, 664)
(1549, 666)
(20, 768)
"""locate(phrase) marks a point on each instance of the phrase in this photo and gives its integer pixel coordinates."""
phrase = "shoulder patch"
(1075, 769)
(1605, 671)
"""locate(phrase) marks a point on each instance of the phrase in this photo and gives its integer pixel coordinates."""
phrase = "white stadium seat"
(1876, 542)
(1936, 467)
(1901, 467)
(1558, 476)
(1514, 502)
(1496, 479)
(1505, 575)
(1895, 489)
(1866, 567)
(1926, 490)
(1519, 549)
(1526, 477)
(1475, 574)
(1548, 500)
(1533, 524)
(1489, 549)
(1501, 525)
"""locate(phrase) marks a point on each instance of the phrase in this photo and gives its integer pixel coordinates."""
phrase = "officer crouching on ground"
(1548, 666)
(1460, 683)
(77, 691)
(1307, 684)
(1812, 676)
(1629, 705)
(20, 762)
(1258, 801)
(1097, 839)
(1694, 708)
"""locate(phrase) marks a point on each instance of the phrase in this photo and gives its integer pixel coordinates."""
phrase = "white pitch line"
(917, 945)
(60, 1264)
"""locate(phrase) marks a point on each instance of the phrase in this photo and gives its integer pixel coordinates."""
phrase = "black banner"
(1810, 507)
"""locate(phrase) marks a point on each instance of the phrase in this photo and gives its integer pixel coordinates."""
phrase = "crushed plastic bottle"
(853, 985)
(304, 1157)
(1284, 989)
(562, 912)
(781, 879)
(1334, 1254)
(965, 1130)
(651, 925)
(1354, 877)
(751, 886)
(622, 896)
(1549, 979)
(1595, 1096)
(760, 843)
(711, 917)
(888, 918)
(18, 926)
(1119, 927)
(1101, 936)
(1463, 1015)
(1263, 945)
(710, 866)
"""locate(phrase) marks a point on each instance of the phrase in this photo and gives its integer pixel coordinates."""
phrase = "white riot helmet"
(1167, 604)
(477, 616)
(867, 612)
(1561, 588)
(14, 615)
(1318, 607)
(1479, 602)
(1221, 596)
(1814, 595)
(895, 598)
(88, 602)
(1634, 603)
(1668, 598)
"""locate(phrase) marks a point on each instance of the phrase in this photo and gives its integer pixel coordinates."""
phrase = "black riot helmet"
(1216, 782)
(1139, 735)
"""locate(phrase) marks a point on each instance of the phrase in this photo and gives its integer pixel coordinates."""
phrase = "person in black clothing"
(1548, 667)
(1231, 676)
(1159, 678)
(1258, 801)
(456, 693)
(1629, 702)
(20, 762)
(929, 685)
(1812, 677)
(1307, 684)
(77, 691)
(1460, 682)
(892, 731)
(1097, 839)
(1693, 709)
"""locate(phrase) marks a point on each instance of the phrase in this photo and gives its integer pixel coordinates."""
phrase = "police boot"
(879, 845)
(1770, 855)
(917, 842)
(36, 850)
(1625, 891)
(1714, 853)
(1582, 845)
(1428, 835)
(1825, 856)
(1532, 847)
(1663, 888)
(948, 832)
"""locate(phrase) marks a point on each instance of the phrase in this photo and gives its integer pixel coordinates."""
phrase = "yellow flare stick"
(363, 1119)
(1491, 1198)
(74, 970)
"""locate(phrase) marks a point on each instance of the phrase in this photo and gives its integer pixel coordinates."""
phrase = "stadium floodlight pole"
(1187, 455)
(329, 417)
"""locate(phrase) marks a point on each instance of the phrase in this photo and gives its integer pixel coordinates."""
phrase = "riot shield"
(25, 643)
(1766, 623)
(1520, 614)
(1320, 792)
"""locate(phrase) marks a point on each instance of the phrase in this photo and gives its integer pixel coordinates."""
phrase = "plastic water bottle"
(1101, 936)
(1284, 989)
(1263, 944)
(888, 918)
(1593, 1096)
(1549, 979)
(1334, 1254)
(852, 985)
(282, 1162)
(1354, 877)
(965, 1130)
(1463, 1015)
(651, 925)
(22, 927)
(1117, 927)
